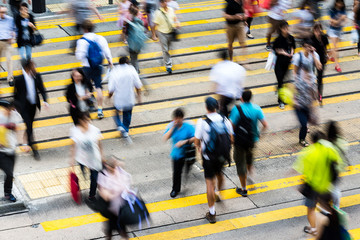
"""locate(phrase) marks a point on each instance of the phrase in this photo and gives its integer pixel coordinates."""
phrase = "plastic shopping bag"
(354, 36)
(270, 63)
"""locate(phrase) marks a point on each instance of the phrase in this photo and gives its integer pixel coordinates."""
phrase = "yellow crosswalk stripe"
(193, 201)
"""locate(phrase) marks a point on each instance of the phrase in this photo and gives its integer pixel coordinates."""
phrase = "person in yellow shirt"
(165, 22)
(315, 163)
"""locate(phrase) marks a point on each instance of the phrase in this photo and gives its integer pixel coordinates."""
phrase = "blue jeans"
(126, 119)
(303, 116)
(25, 52)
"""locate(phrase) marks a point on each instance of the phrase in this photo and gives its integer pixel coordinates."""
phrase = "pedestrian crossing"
(259, 80)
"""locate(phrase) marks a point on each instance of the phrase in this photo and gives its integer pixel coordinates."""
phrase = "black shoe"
(36, 155)
(10, 197)
(173, 193)
(11, 83)
(169, 70)
(211, 218)
(241, 192)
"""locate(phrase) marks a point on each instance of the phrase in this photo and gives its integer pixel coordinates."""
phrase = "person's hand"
(47, 106)
(31, 25)
(101, 18)
(177, 25)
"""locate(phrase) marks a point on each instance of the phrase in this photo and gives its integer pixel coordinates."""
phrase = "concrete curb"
(7, 207)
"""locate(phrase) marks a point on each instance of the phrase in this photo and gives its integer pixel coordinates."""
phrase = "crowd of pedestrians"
(230, 122)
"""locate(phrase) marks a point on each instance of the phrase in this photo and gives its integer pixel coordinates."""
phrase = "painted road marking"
(197, 200)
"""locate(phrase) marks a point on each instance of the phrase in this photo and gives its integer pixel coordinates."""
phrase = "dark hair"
(282, 24)
(81, 71)
(318, 25)
(83, 115)
(123, 60)
(26, 63)
(88, 26)
(317, 135)
(307, 41)
(162, 1)
(178, 113)
(224, 54)
(339, 1)
(246, 95)
(24, 4)
(332, 131)
(133, 10)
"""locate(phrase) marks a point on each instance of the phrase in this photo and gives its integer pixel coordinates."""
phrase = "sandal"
(304, 143)
(310, 230)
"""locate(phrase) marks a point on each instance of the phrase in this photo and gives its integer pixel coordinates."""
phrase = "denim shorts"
(94, 74)
(310, 202)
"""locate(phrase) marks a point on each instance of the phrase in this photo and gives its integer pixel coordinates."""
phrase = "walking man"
(166, 21)
(122, 81)
(91, 49)
(228, 78)
(244, 119)
(27, 99)
(8, 120)
(235, 24)
(213, 137)
(7, 35)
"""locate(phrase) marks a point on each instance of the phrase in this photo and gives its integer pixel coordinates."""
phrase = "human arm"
(106, 50)
(316, 58)
(169, 131)
(183, 142)
(101, 150)
(41, 88)
(176, 21)
(235, 17)
(264, 124)
(94, 9)
(72, 154)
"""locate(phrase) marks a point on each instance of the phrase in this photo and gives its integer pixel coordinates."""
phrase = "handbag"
(190, 156)
(74, 188)
(36, 38)
(133, 211)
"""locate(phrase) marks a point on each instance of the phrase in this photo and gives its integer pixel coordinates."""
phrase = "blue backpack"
(95, 55)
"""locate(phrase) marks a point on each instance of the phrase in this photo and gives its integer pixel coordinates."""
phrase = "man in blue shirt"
(243, 156)
(182, 135)
(7, 34)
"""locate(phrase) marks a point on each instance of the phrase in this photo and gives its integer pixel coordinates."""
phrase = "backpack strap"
(241, 112)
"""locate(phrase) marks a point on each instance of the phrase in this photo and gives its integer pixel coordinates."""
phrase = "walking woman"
(123, 11)
(320, 43)
(86, 149)
(357, 21)
(181, 134)
(305, 84)
(78, 94)
(284, 47)
(25, 25)
(337, 20)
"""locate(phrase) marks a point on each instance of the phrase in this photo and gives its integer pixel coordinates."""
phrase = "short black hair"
(282, 24)
(162, 1)
(87, 25)
(83, 115)
(123, 60)
(24, 4)
(246, 95)
(317, 135)
(307, 41)
(224, 54)
(178, 113)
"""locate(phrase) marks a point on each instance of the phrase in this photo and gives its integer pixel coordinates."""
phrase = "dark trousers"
(7, 163)
(248, 22)
(125, 123)
(320, 74)
(281, 68)
(28, 114)
(93, 180)
(223, 105)
(178, 166)
(74, 113)
(358, 31)
(134, 60)
(303, 117)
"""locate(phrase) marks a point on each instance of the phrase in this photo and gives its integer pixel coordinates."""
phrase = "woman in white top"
(86, 149)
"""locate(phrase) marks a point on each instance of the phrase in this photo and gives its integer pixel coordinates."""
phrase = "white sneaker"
(282, 106)
(122, 130)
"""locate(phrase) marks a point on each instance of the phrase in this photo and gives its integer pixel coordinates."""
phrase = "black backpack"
(244, 131)
(219, 145)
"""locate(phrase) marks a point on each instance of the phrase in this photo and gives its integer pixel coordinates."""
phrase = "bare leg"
(311, 216)
(231, 51)
(99, 97)
(210, 191)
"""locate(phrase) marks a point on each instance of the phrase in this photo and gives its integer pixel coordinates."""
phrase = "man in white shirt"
(229, 79)
(212, 167)
(275, 16)
(94, 71)
(122, 81)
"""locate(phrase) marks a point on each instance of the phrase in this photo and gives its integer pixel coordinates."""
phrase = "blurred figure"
(173, 4)
(313, 163)
(78, 94)
(228, 78)
(304, 63)
(86, 149)
(25, 24)
(113, 182)
(15, 6)
(284, 47)
(303, 29)
(122, 81)
(123, 11)
(245, 116)
(320, 43)
(26, 98)
(337, 21)
(150, 6)
(136, 36)
(275, 16)
(356, 11)
(7, 34)
(213, 135)
(181, 134)
(91, 49)
(234, 15)
(250, 7)
(165, 21)
(9, 118)
(314, 7)
(80, 10)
